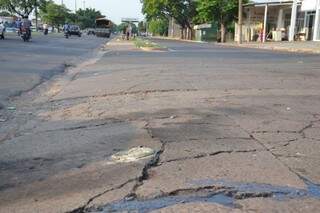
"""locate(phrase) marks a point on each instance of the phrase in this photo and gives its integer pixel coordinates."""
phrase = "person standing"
(129, 32)
(45, 29)
(124, 33)
(2, 30)
(18, 24)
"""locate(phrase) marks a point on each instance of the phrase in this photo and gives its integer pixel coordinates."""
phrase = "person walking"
(129, 32)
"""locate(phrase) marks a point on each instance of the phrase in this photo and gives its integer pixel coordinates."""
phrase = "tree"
(87, 18)
(54, 14)
(182, 11)
(21, 7)
(123, 26)
(221, 11)
(158, 27)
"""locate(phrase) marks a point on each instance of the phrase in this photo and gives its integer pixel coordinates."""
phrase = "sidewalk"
(299, 47)
(118, 44)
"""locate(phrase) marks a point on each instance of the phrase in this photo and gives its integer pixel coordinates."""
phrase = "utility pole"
(36, 14)
(84, 4)
(293, 20)
(61, 2)
(240, 23)
(75, 6)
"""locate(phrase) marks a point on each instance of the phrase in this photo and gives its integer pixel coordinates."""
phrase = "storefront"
(276, 20)
(311, 9)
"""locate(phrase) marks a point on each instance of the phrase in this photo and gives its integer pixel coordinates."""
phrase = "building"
(278, 20)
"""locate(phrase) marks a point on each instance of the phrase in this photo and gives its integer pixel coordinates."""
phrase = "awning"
(309, 5)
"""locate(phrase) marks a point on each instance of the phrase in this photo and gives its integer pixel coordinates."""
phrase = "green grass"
(139, 42)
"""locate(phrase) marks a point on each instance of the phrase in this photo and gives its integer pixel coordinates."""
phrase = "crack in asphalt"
(203, 155)
(138, 180)
(310, 125)
(152, 163)
(122, 93)
(228, 192)
(108, 122)
(278, 131)
(84, 207)
(301, 131)
(302, 178)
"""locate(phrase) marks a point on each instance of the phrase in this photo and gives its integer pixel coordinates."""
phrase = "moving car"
(75, 30)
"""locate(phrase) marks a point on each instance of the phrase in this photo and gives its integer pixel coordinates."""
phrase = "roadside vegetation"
(188, 13)
(50, 12)
(145, 43)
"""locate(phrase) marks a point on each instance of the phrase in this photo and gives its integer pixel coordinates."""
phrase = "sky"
(113, 9)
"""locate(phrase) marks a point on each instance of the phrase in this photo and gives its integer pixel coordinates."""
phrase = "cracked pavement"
(234, 130)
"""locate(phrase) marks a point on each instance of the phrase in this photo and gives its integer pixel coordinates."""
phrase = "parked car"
(2, 31)
(11, 30)
(75, 30)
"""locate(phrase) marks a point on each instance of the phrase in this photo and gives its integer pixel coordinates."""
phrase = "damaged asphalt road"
(23, 66)
(205, 128)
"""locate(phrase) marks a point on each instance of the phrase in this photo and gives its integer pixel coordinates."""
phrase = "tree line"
(188, 13)
(51, 13)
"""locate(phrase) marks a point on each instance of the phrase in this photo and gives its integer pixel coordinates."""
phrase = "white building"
(279, 20)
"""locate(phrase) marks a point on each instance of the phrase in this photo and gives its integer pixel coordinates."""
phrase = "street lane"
(25, 65)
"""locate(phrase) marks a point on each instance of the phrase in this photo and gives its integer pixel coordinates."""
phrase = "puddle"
(313, 189)
(133, 155)
(226, 198)
(254, 189)
(150, 205)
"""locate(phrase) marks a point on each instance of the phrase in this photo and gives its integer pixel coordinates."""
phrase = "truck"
(103, 27)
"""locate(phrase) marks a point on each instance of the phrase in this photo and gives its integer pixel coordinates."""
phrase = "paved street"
(231, 129)
(25, 65)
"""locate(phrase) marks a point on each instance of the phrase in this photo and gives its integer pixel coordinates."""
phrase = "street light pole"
(36, 14)
(240, 23)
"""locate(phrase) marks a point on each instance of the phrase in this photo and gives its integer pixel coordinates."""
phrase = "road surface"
(230, 130)
(24, 65)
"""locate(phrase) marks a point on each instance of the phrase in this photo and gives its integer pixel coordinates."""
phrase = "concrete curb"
(178, 39)
(272, 48)
(154, 49)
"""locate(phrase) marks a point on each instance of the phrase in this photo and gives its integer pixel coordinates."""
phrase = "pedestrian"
(129, 32)
(66, 28)
(45, 29)
(18, 24)
(124, 32)
(2, 30)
